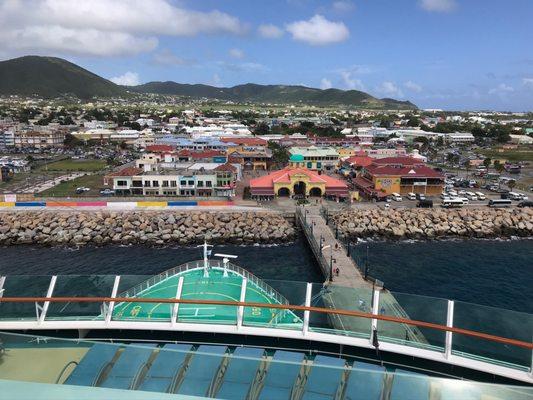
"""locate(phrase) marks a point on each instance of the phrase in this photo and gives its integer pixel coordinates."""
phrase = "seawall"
(147, 227)
(434, 223)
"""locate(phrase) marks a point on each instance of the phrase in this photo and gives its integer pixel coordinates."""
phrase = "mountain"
(52, 77)
(251, 92)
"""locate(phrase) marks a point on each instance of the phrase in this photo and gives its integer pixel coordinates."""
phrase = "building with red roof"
(399, 175)
(297, 181)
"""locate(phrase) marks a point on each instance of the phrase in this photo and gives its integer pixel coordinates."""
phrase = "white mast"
(207, 253)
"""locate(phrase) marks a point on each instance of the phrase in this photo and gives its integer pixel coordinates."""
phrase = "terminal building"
(398, 175)
(290, 182)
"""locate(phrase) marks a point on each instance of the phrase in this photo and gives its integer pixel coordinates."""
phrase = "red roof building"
(297, 181)
(159, 148)
(400, 175)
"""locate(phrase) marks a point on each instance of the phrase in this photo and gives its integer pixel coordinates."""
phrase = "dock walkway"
(349, 290)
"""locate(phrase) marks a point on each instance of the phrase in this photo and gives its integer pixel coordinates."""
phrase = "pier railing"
(346, 243)
(324, 264)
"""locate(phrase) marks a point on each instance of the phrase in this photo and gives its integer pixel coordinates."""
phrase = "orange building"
(290, 182)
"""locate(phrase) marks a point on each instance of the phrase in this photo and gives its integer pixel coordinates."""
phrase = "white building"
(518, 139)
(458, 137)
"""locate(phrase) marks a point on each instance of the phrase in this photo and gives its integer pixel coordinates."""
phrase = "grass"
(69, 165)
(68, 189)
(510, 155)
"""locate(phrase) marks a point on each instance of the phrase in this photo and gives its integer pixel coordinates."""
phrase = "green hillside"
(52, 77)
(274, 94)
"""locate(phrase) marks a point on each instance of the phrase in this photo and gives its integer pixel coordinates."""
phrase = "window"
(165, 183)
(309, 164)
(122, 183)
(191, 183)
(183, 183)
(147, 184)
(155, 183)
(208, 184)
(173, 184)
(200, 184)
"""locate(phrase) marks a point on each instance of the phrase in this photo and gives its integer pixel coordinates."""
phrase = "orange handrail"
(348, 313)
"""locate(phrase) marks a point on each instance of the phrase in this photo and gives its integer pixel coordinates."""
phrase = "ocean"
(489, 272)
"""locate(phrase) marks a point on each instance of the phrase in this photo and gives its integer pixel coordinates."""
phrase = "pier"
(346, 286)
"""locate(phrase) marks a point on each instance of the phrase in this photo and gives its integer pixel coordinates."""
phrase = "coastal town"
(249, 154)
(282, 200)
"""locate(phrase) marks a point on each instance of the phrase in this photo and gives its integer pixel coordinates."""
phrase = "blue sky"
(451, 54)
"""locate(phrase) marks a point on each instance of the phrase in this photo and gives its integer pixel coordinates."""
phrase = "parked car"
(396, 197)
(525, 203)
(420, 196)
(107, 192)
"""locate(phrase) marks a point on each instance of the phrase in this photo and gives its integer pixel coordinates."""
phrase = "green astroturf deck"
(214, 287)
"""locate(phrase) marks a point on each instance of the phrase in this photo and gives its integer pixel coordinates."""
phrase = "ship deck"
(196, 286)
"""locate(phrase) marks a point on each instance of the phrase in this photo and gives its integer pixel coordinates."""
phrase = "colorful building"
(290, 182)
(399, 175)
(315, 158)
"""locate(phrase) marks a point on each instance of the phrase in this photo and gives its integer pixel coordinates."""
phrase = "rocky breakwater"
(435, 223)
(148, 227)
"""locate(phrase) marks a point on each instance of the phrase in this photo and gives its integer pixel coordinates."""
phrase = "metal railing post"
(109, 312)
(449, 324)
(308, 292)
(240, 309)
(175, 308)
(375, 311)
(2, 282)
(48, 295)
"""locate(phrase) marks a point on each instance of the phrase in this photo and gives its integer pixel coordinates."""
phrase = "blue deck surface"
(166, 366)
(128, 365)
(409, 386)
(322, 383)
(365, 382)
(202, 370)
(281, 377)
(91, 364)
(240, 373)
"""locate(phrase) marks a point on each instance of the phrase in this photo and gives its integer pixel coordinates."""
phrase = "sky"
(450, 54)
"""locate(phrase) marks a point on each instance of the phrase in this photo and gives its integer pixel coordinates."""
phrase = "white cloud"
(343, 6)
(103, 27)
(415, 87)
(389, 89)
(318, 31)
(501, 89)
(325, 84)
(167, 57)
(236, 53)
(270, 31)
(243, 66)
(350, 82)
(216, 80)
(128, 79)
(528, 82)
(438, 5)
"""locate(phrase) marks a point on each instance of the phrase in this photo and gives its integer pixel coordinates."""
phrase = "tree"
(511, 184)
(486, 162)
(467, 166)
(262, 129)
(280, 155)
(71, 141)
(498, 166)
(413, 121)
